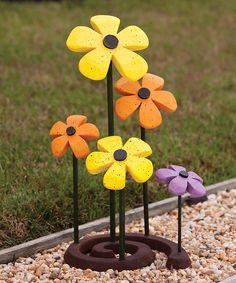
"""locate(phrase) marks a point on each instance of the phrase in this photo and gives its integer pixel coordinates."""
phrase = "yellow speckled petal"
(110, 144)
(137, 147)
(133, 38)
(129, 64)
(83, 39)
(105, 24)
(140, 169)
(98, 162)
(94, 65)
(115, 177)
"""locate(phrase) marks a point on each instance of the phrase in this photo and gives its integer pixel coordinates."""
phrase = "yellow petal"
(115, 177)
(105, 24)
(133, 38)
(110, 144)
(137, 147)
(83, 39)
(98, 162)
(94, 65)
(140, 169)
(129, 64)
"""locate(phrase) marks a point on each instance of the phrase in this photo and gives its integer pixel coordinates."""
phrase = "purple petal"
(193, 175)
(177, 168)
(196, 188)
(178, 186)
(164, 176)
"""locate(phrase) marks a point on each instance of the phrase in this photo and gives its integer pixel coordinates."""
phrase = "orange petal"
(59, 146)
(76, 120)
(152, 82)
(125, 87)
(78, 146)
(88, 131)
(58, 129)
(164, 100)
(149, 115)
(126, 105)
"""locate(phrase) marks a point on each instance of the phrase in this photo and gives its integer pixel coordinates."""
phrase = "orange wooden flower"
(146, 96)
(73, 134)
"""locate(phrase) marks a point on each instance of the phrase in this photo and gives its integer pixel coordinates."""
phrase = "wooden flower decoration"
(103, 44)
(73, 134)
(181, 181)
(116, 160)
(147, 97)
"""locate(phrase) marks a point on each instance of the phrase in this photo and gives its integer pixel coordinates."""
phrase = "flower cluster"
(141, 91)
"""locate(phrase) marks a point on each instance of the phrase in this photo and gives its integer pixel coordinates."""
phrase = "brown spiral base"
(98, 253)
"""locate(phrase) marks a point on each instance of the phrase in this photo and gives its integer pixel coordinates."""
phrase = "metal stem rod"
(122, 224)
(145, 194)
(110, 113)
(179, 222)
(75, 199)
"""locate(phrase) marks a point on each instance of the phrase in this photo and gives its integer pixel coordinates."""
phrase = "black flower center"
(144, 93)
(183, 174)
(70, 131)
(110, 41)
(120, 155)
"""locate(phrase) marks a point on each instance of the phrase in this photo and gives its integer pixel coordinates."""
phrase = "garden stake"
(122, 224)
(179, 182)
(145, 194)
(64, 136)
(179, 222)
(110, 112)
(75, 199)
(99, 252)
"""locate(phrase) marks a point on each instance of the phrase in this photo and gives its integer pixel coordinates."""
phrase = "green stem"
(75, 199)
(179, 222)
(122, 224)
(110, 112)
(145, 194)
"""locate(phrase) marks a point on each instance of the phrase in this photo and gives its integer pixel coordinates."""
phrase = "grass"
(192, 45)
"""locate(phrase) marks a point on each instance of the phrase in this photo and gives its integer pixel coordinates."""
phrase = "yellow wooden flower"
(103, 44)
(116, 160)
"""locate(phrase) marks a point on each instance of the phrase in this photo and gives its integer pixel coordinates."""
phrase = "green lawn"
(192, 45)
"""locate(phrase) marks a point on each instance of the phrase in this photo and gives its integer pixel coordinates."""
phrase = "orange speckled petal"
(58, 129)
(164, 100)
(126, 106)
(152, 82)
(59, 146)
(78, 146)
(88, 131)
(149, 115)
(126, 87)
(76, 120)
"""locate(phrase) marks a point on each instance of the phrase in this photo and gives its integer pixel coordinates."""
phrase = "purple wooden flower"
(180, 181)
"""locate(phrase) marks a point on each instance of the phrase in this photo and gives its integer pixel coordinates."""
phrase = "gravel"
(209, 236)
